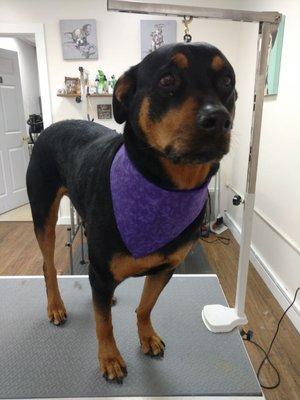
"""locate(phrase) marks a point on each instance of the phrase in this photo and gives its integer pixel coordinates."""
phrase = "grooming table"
(40, 360)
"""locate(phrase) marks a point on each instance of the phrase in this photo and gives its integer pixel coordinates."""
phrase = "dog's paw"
(56, 312)
(152, 346)
(114, 369)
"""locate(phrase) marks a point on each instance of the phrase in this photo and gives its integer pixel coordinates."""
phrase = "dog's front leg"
(111, 362)
(151, 343)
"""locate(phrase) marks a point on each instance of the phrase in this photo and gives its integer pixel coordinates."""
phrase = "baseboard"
(64, 220)
(265, 271)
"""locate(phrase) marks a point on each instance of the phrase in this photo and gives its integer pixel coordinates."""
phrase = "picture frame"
(104, 111)
(72, 85)
(156, 33)
(79, 39)
(272, 79)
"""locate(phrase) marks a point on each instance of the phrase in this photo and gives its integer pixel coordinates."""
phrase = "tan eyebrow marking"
(180, 60)
(217, 63)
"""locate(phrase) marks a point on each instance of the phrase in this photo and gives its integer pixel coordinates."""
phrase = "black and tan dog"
(178, 105)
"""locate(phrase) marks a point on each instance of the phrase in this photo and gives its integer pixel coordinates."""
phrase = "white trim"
(277, 230)
(265, 272)
(64, 220)
(162, 398)
(41, 276)
(64, 217)
(195, 276)
(270, 223)
(86, 276)
(38, 30)
(28, 41)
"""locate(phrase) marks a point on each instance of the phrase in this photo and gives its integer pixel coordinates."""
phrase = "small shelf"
(100, 95)
(67, 95)
(88, 95)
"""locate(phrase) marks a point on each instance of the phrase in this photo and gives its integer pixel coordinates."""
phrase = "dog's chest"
(124, 266)
(149, 217)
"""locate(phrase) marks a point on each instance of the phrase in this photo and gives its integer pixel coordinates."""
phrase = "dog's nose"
(214, 119)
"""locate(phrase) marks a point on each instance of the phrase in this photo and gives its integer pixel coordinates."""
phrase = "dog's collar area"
(149, 217)
(213, 170)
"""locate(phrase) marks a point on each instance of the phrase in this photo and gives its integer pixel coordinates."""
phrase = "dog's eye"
(226, 81)
(167, 81)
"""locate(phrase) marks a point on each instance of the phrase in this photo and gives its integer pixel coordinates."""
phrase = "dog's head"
(180, 101)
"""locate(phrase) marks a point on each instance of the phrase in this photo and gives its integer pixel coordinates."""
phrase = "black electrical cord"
(248, 335)
(221, 239)
(267, 353)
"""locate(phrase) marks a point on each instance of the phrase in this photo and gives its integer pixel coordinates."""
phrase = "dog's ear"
(236, 95)
(123, 93)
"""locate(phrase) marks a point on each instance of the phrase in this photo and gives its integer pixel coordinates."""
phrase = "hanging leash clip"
(187, 38)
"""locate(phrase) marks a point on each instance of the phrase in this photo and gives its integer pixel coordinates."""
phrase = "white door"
(13, 149)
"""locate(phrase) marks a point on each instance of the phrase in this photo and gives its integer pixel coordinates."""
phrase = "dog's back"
(61, 163)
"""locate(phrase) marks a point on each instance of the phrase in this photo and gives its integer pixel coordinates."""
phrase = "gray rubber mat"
(38, 359)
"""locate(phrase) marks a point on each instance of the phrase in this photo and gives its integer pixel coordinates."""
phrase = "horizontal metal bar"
(160, 398)
(41, 276)
(196, 12)
(86, 276)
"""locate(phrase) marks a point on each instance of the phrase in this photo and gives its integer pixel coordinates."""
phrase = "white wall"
(118, 40)
(276, 238)
(28, 73)
(118, 44)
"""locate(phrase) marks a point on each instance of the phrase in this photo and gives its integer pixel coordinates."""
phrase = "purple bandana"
(149, 217)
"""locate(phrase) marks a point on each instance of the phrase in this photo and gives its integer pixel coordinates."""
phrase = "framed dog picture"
(272, 81)
(104, 111)
(155, 34)
(79, 39)
(72, 85)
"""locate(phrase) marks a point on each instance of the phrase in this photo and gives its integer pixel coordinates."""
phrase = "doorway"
(13, 147)
(24, 91)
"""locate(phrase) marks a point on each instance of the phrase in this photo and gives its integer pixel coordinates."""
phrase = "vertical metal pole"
(82, 261)
(219, 192)
(264, 37)
(72, 221)
(70, 244)
(216, 210)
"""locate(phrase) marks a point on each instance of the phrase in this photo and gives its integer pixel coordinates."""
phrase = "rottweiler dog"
(178, 106)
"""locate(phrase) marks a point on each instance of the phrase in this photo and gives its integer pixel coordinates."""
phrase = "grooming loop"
(187, 38)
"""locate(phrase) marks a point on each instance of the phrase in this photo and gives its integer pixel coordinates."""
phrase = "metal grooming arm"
(218, 318)
(76, 226)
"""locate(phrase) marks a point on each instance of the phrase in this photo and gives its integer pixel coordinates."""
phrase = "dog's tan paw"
(57, 312)
(113, 368)
(152, 345)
